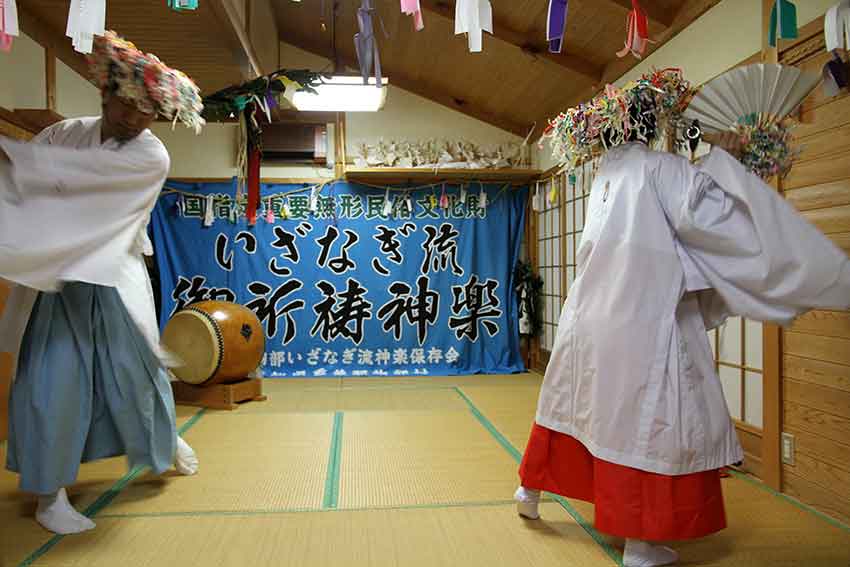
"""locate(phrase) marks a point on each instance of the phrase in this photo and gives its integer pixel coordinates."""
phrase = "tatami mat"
(284, 398)
(472, 536)
(393, 458)
(248, 462)
(372, 472)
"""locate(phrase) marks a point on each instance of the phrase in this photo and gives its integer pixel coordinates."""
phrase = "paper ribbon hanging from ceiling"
(412, 8)
(180, 5)
(8, 23)
(473, 17)
(836, 26)
(637, 32)
(86, 19)
(366, 43)
(556, 25)
(783, 21)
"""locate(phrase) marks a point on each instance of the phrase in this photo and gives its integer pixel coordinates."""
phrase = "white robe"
(669, 250)
(75, 209)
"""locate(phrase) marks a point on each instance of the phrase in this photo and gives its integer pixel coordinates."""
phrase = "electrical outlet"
(787, 448)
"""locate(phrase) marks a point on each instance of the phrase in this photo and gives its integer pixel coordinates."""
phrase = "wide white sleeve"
(73, 215)
(44, 169)
(761, 258)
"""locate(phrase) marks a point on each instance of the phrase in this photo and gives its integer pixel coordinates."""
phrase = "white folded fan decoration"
(755, 101)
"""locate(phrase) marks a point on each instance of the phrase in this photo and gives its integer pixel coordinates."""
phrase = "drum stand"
(219, 396)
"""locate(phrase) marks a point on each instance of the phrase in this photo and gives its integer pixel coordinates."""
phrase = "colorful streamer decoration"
(637, 33)
(8, 23)
(556, 25)
(86, 19)
(412, 8)
(181, 5)
(784, 17)
(474, 17)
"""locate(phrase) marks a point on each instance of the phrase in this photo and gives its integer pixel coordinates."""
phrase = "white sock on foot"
(56, 514)
(185, 460)
(526, 502)
(641, 554)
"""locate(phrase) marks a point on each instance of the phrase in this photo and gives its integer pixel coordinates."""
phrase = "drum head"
(194, 338)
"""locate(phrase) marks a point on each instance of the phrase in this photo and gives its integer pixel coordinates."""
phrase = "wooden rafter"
(51, 40)
(417, 87)
(573, 62)
(654, 12)
(236, 35)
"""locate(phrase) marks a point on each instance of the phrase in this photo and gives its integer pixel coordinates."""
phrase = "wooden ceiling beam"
(51, 40)
(654, 11)
(573, 62)
(417, 87)
(236, 35)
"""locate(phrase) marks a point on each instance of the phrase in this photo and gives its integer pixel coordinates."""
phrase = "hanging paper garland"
(180, 5)
(784, 17)
(463, 194)
(388, 204)
(637, 32)
(8, 23)
(444, 199)
(482, 198)
(473, 17)
(556, 24)
(412, 8)
(209, 217)
(86, 19)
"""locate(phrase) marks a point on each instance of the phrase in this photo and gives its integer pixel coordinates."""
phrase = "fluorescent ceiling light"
(342, 94)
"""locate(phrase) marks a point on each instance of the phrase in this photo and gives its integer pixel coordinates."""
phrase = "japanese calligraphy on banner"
(344, 289)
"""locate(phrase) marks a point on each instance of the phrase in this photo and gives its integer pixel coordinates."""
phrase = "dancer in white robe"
(631, 414)
(90, 379)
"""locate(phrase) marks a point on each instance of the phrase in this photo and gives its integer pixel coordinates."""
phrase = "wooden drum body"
(218, 342)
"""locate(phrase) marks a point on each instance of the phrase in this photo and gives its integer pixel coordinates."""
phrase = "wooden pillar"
(772, 405)
(339, 146)
(50, 77)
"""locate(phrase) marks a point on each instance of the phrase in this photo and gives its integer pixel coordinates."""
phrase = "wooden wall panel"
(816, 348)
(825, 425)
(816, 495)
(835, 194)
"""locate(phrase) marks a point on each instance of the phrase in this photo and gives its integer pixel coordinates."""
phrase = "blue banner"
(349, 282)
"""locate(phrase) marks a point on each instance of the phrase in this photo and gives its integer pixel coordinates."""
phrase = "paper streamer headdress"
(117, 65)
(585, 131)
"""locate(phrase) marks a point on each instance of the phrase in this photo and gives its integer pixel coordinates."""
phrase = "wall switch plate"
(788, 449)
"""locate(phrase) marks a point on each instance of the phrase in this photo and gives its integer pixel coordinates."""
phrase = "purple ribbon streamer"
(556, 25)
(366, 44)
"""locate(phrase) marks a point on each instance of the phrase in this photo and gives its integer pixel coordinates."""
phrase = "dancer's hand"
(729, 141)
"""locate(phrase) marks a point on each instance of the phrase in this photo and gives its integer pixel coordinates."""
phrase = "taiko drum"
(217, 341)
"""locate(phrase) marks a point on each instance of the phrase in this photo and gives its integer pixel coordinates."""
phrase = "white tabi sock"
(185, 460)
(56, 514)
(526, 503)
(641, 554)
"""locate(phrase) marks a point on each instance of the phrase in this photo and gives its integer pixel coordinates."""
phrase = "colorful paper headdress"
(606, 121)
(117, 65)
